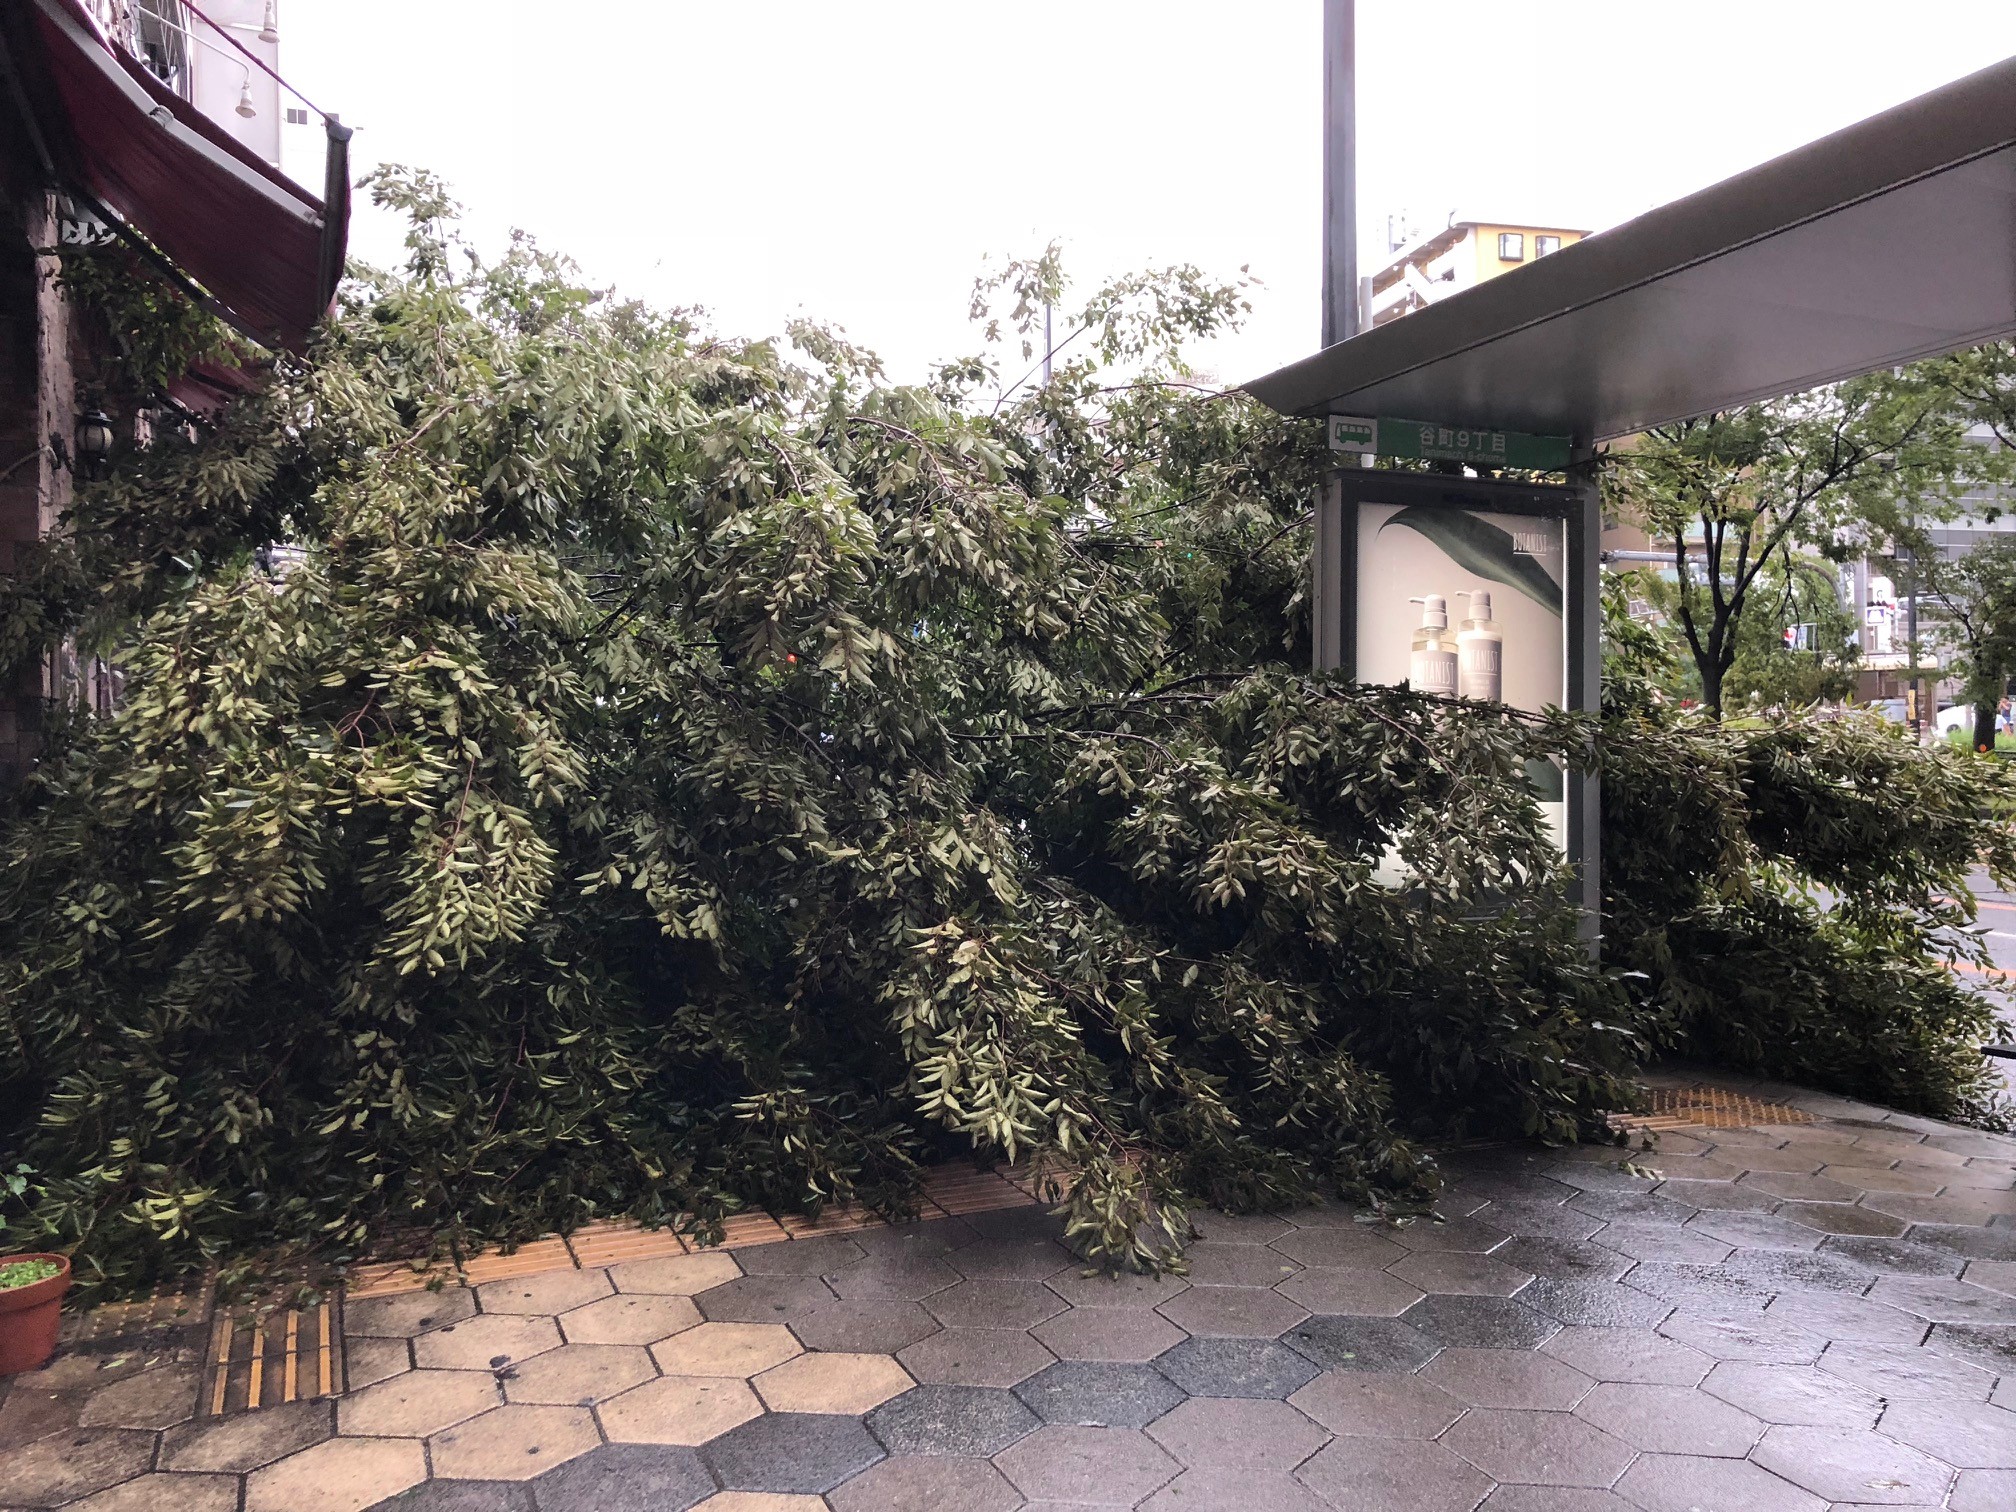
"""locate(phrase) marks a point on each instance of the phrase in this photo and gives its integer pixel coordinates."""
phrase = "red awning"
(250, 236)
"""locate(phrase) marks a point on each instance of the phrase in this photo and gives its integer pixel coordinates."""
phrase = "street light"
(94, 440)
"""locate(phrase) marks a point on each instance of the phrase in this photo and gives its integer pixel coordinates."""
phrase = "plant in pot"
(31, 1299)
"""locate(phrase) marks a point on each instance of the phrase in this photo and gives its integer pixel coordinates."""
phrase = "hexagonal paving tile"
(995, 1302)
(1507, 1378)
(340, 1475)
(1554, 1499)
(864, 1327)
(1108, 1333)
(1628, 1354)
(1680, 1282)
(1594, 1304)
(1968, 1436)
(791, 1451)
(1360, 1344)
(1236, 1368)
(1743, 1338)
(626, 1478)
(1095, 1394)
(367, 1361)
(1457, 1234)
(1393, 1475)
(971, 1421)
(547, 1293)
(408, 1313)
(1539, 1448)
(1539, 1220)
(1233, 1312)
(1097, 1290)
(1077, 1464)
(1841, 1218)
(802, 1257)
(417, 1403)
(1905, 1376)
(1356, 1293)
(1237, 1265)
(485, 1343)
(1562, 1259)
(909, 1280)
(1217, 1434)
(1756, 1231)
(73, 1464)
(1015, 1259)
(1846, 1319)
(513, 1443)
(1846, 1466)
(849, 1383)
(246, 1443)
(579, 1375)
(1780, 1270)
(1794, 1395)
(158, 1398)
(1363, 1405)
(1461, 1273)
(1995, 1275)
(1214, 1227)
(936, 1483)
(763, 1299)
(687, 1410)
(1479, 1322)
(676, 1275)
(1941, 1301)
(1992, 1348)
(1663, 1241)
(1233, 1491)
(1353, 1248)
(1894, 1256)
(726, 1349)
(975, 1357)
(628, 1319)
(1983, 1491)
(1685, 1483)
(1670, 1419)
(166, 1493)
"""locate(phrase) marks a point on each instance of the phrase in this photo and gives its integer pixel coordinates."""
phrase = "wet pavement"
(1815, 1311)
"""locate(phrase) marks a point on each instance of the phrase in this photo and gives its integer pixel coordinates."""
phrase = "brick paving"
(1788, 1316)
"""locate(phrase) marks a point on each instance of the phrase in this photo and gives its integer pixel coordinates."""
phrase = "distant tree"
(1739, 496)
(1978, 594)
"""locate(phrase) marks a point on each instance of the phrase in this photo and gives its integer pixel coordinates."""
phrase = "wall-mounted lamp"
(94, 440)
(245, 105)
(270, 32)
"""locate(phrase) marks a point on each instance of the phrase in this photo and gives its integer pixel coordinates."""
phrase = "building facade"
(1461, 255)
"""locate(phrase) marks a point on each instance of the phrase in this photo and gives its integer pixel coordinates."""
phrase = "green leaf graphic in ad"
(1479, 546)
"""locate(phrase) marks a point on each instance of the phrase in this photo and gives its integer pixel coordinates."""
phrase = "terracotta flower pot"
(30, 1316)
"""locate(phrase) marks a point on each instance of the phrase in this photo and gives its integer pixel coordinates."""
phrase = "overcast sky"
(857, 159)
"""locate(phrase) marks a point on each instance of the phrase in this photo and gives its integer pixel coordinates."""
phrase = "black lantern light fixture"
(94, 440)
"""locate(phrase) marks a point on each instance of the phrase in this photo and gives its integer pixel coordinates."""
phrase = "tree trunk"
(1984, 723)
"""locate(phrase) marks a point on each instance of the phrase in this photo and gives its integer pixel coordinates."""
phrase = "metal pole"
(1340, 171)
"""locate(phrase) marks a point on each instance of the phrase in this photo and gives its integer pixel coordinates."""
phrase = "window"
(296, 116)
(1546, 246)
(1511, 246)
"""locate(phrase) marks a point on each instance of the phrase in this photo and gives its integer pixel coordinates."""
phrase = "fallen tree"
(574, 765)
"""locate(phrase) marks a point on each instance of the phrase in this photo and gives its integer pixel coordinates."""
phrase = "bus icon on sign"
(1349, 433)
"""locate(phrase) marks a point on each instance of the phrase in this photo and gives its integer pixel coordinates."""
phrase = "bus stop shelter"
(1889, 241)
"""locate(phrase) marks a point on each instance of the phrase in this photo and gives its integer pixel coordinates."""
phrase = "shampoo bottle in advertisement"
(1431, 668)
(1480, 652)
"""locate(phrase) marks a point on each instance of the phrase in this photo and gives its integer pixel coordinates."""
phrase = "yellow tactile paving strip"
(949, 1191)
(1706, 1106)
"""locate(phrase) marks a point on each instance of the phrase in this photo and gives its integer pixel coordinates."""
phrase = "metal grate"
(264, 1358)
(1705, 1106)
